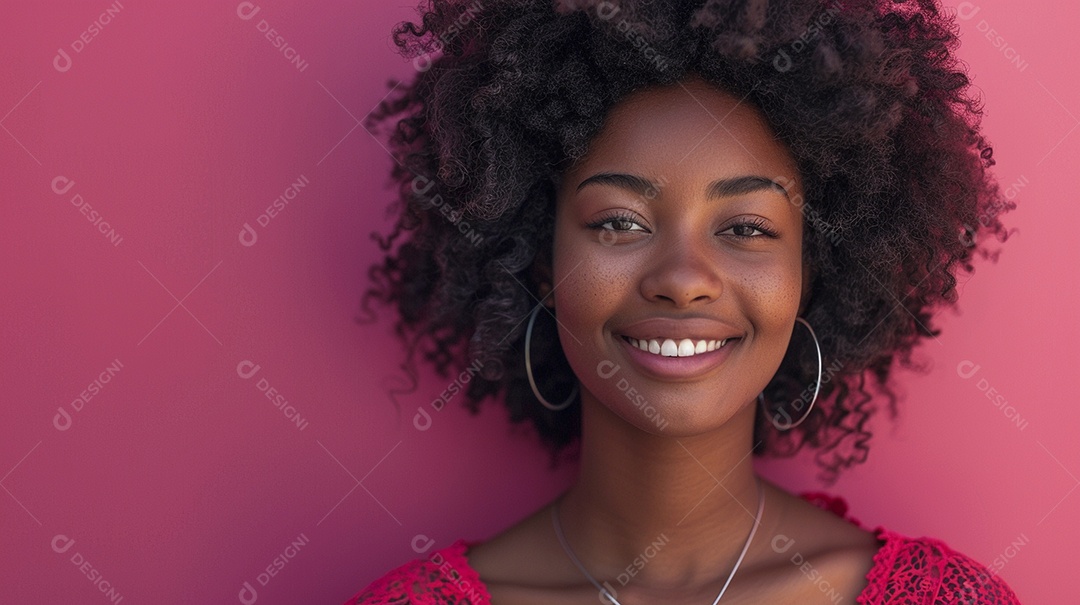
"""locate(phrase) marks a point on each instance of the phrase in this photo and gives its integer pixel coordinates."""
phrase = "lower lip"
(692, 366)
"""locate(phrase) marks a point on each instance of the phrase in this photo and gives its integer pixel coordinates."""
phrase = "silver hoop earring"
(529, 372)
(817, 388)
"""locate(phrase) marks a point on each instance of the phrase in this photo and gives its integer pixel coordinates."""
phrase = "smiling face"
(677, 226)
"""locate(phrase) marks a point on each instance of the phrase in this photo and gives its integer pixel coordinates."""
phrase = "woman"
(675, 234)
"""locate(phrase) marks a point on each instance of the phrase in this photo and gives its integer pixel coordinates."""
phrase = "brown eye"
(617, 222)
(750, 230)
(620, 224)
(745, 230)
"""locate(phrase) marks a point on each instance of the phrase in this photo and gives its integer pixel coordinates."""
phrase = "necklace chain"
(607, 594)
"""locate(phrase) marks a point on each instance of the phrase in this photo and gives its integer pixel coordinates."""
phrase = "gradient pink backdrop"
(179, 480)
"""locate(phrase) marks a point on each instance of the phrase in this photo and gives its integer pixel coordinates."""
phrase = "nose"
(683, 273)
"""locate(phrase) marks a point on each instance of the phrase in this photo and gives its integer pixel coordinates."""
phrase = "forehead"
(685, 131)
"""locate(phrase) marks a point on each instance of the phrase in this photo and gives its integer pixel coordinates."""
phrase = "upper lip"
(694, 328)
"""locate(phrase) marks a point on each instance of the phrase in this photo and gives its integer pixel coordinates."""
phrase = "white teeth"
(669, 349)
(686, 347)
(683, 348)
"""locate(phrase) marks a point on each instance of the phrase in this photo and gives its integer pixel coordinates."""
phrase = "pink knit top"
(912, 571)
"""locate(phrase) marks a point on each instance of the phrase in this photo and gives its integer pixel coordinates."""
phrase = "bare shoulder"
(824, 529)
(528, 544)
(801, 554)
(525, 565)
(815, 549)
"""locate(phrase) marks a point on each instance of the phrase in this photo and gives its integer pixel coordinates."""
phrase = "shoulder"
(921, 570)
(443, 577)
(926, 570)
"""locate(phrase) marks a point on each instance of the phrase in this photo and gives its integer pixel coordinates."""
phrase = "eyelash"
(757, 223)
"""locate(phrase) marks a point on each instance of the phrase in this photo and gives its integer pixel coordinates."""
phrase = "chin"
(683, 411)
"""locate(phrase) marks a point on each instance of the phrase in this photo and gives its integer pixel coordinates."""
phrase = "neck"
(676, 511)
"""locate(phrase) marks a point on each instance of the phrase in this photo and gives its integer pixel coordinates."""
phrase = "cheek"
(769, 293)
(595, 283)
(590, 290)
(592, 287)
(768, 300)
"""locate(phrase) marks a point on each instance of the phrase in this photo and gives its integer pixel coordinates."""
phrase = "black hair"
(868, 96)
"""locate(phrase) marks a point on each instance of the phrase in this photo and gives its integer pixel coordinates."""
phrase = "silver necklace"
(610, 597)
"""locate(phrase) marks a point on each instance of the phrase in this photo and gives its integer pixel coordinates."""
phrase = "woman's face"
(678, 226)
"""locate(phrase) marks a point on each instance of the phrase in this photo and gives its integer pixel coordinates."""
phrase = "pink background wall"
(179, 480)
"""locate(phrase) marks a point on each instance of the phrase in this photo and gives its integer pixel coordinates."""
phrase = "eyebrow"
(720, 188)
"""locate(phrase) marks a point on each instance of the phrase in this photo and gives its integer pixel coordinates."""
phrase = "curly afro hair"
(867, 95)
